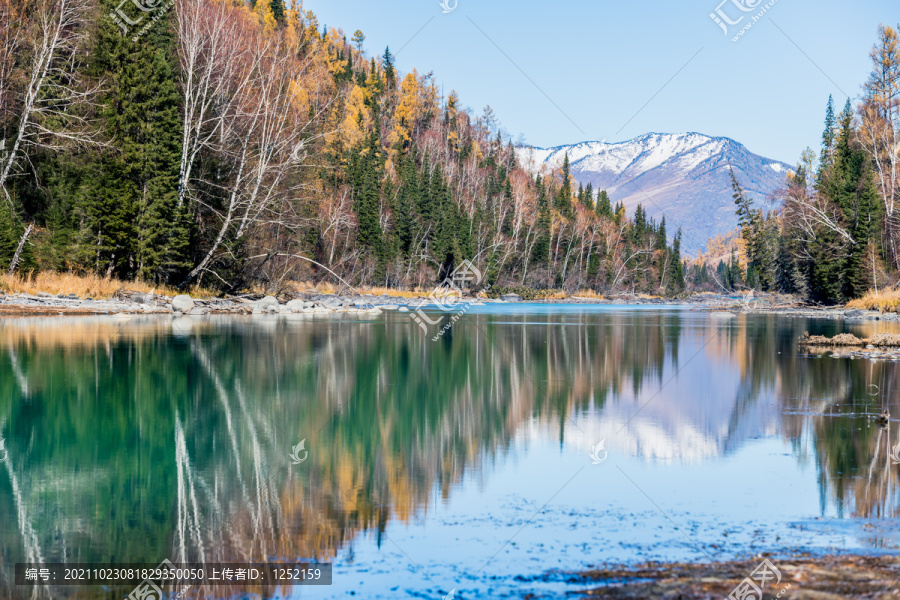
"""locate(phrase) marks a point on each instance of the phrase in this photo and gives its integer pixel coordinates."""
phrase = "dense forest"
(836, 234)
(230, 145)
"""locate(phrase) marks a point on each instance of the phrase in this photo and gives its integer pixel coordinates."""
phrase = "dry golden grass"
(588, 294)
(329, 288)
(377, 291)
(82, 285)
(884, 300)
(560, 295)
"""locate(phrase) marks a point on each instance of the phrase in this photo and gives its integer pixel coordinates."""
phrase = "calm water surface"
(466, 463)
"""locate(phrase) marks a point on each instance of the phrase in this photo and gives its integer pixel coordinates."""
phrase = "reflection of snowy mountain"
(698, 414)
(682, 176)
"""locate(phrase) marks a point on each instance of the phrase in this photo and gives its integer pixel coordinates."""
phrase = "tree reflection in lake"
(156, 439)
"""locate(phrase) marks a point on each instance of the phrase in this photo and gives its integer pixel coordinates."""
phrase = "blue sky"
(564, 71)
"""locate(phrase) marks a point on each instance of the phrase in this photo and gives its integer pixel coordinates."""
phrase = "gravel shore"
(126, 302)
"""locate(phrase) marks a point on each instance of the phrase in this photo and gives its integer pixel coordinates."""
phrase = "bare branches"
(52, 33)
(214, 70)
(810, 213)
(879, 128)
(245, 93)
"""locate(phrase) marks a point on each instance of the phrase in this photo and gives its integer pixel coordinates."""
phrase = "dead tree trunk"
(15, 258)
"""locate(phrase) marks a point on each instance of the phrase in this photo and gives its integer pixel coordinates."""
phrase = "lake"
(527, 441)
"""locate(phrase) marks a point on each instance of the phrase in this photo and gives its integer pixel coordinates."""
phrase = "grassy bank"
(883, 300)
(93, 286)
(83, 286)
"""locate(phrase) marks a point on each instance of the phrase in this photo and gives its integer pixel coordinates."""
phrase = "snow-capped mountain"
(682, 176)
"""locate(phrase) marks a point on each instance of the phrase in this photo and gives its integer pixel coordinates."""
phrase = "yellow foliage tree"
(334, 41)
(719, 247)
(293, 28)
(452, 112)
(476, 150)
(407, 110)
(265, 16)
(299, 96)
(357, 118)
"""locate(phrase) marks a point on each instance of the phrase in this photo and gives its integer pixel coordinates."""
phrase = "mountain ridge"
(682, 176)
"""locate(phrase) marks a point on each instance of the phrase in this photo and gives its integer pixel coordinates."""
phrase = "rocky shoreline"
(129, 302)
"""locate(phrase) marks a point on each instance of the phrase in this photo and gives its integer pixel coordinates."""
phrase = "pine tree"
(388, 66)
(747, 216)
(850, 185)
(163, 223)
(661, 241)
(827, 137)
(407, 202)
(563, 201)
(541, 251)
(766, 248)
(750, 221)
(588, 200)
(507, 228)
(723, 274)
(107, 194)
(9, 234)
(639, 225)
(367, 177)
(345, 74)
(277, 7)
(677, 280)
(603, 208)
(106, 203)
(130, 221)
(735, 273)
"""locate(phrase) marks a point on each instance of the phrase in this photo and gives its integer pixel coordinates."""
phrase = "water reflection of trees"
(832, 400)
(129, 443)
(149, 440)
